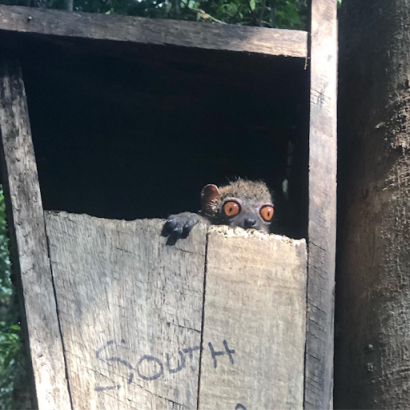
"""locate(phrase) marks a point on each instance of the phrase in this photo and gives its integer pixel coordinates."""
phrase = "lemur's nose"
(249, 222)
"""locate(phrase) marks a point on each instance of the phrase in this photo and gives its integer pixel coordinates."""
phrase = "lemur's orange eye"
(267, 213)
(231, 208)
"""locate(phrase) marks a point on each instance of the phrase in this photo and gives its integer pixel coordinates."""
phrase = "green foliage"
(285, 13)
(9, 329)
(5, 284)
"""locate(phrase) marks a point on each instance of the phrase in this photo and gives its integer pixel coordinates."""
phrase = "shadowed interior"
(127, 131)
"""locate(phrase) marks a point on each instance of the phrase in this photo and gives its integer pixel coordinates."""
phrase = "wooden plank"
(29, 244)
(322, 206)
(254, 326)
(130, 310)
(257, 40)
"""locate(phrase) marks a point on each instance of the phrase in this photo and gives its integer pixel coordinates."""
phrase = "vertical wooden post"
(29, 243)
(322, 206)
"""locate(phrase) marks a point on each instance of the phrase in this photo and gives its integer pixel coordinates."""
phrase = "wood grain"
(255, 305)
(322, 206)
(29, 244)
(373, 263)
(257, 40)
(130, 309)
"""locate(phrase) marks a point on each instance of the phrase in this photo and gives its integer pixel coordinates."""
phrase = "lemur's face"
(242, 203)
(246, 214)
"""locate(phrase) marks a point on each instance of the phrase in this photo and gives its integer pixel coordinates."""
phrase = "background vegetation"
(9, 325)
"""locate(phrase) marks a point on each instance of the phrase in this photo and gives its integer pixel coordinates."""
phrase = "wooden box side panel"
(254, 325)
(130, 310)
(132, 315)
(29, 243)
(322, 206)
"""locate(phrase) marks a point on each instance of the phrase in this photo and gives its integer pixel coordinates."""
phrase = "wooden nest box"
(107, 122)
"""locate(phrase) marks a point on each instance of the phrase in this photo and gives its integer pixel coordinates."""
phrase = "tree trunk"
(372, 350)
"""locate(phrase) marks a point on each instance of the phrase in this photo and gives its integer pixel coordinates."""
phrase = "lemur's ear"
(209, 193)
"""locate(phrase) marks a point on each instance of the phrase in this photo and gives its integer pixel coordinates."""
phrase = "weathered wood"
(322, 206)
(372, 358)
(255, 305)
(257, 40)
(130, 310)
(29, 244)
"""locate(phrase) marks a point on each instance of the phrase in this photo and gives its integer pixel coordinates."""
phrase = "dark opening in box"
(135, 131)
